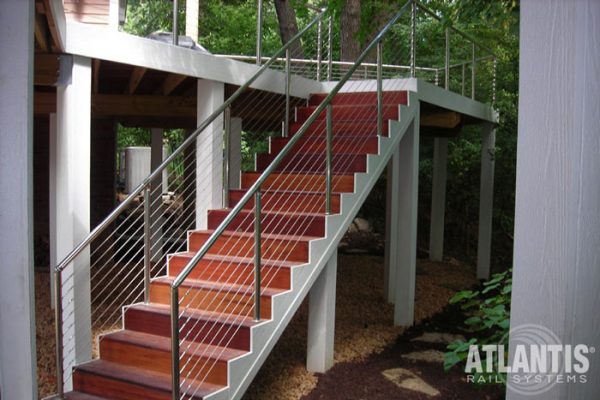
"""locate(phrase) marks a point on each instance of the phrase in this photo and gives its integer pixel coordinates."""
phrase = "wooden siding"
(88, 11)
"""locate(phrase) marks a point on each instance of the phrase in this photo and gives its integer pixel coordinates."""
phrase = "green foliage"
(147, 16)
(488, 320)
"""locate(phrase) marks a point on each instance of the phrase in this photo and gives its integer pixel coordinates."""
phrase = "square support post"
(391, 226)
(438, 199)
(17, 306)
(235, 153)
(404, 308)
(486, 201)
(73, 127)
(321, 319)
(209, 152)
(158, 187)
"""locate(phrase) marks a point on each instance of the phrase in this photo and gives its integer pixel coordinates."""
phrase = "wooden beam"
(441, 120)
(171, 82)
(96, 75)
(118, 105)
(52, 69)
(40, 31)
(134, 80)
(52, 26)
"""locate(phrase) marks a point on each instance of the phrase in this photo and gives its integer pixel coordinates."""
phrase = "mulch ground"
(364, 329)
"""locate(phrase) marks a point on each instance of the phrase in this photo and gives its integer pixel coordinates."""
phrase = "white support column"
(156, 158)
(407, 226)
(321, 319)
(235, 153)
(391, 226)
(73, 118)
(209, 152)
(192, 10)
(52, 162)
(438, 199)
(486, 201)
(17, 306)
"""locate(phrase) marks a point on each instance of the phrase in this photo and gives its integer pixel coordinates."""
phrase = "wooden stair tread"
(216, 286)
(141, 377)
(272, 236)
(276, 212)
(287, 192)
(163, 309)
(239, 260)
(75, 395)
(163, 343)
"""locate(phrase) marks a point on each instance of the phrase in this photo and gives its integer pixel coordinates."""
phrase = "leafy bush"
(488, 319)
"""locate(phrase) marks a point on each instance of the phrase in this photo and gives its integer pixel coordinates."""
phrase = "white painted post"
(407, 226)
(113, 14)
(209, 152)
(52, 162)
(17, 306)
(192, 11)
(438, 199)
(235, 153)
(557, 206)
(391, 226)
(73, 118)
(156, 220)
(486, 201)
(321, 319)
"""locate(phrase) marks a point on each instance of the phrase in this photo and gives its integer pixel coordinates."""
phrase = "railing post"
(473, 66)
(259, 21)
(175, 374)
(330, 49)
(319, 48)
(413, 39)
(58, 333)
(147, 244)
(494, 66)
(447, 61)
(462, 86)
(328, 168)
(286, 122)
(437, 77)
(227, 155)
(257, 253)
(380, 88)
(175, 23)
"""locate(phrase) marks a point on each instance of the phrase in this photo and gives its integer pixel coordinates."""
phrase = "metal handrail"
(187, 142)
(254, 191)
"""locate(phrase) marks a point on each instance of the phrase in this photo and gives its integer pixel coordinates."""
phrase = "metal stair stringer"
(265, 335)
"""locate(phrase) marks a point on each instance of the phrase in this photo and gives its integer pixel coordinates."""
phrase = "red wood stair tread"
(218, 286)
(237, 260)
(75, 395)
(277, 236)
(155, 381)
(164, 344)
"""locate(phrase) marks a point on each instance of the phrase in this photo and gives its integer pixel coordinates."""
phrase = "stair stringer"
(265, 335)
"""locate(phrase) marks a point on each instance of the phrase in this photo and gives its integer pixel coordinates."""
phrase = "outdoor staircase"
(228, 346)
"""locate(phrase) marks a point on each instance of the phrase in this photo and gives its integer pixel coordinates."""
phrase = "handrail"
(271, 168)
(186, 143)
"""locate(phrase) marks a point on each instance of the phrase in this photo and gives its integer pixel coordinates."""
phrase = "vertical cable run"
(259, 21)
(257, 255)
(319, 48)
(473, 66)
(413, 39)
(330, 49)
(447, 61)
(494, 66)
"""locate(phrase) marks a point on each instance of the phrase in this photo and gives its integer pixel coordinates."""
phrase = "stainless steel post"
(319, 48)
(380, 88)
(328, 169)
(286, 122)
(462, 87)
(413, 39)
(147, 244)
(175, 23)
(494, 66)
(473, 66)
(330, 49)
(175, 374)
(437, 77)
(58, 332)
(447, 61)
(257, 255)
(259, 22)
(227, 155)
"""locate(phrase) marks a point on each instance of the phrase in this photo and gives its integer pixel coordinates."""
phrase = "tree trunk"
(288, 27)
(350, 25)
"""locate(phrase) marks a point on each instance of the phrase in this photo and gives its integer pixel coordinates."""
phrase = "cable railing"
(124, 256)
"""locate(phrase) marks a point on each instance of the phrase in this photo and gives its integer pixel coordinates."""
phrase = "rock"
(438, 337)
(427, 356)
(406, 379)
